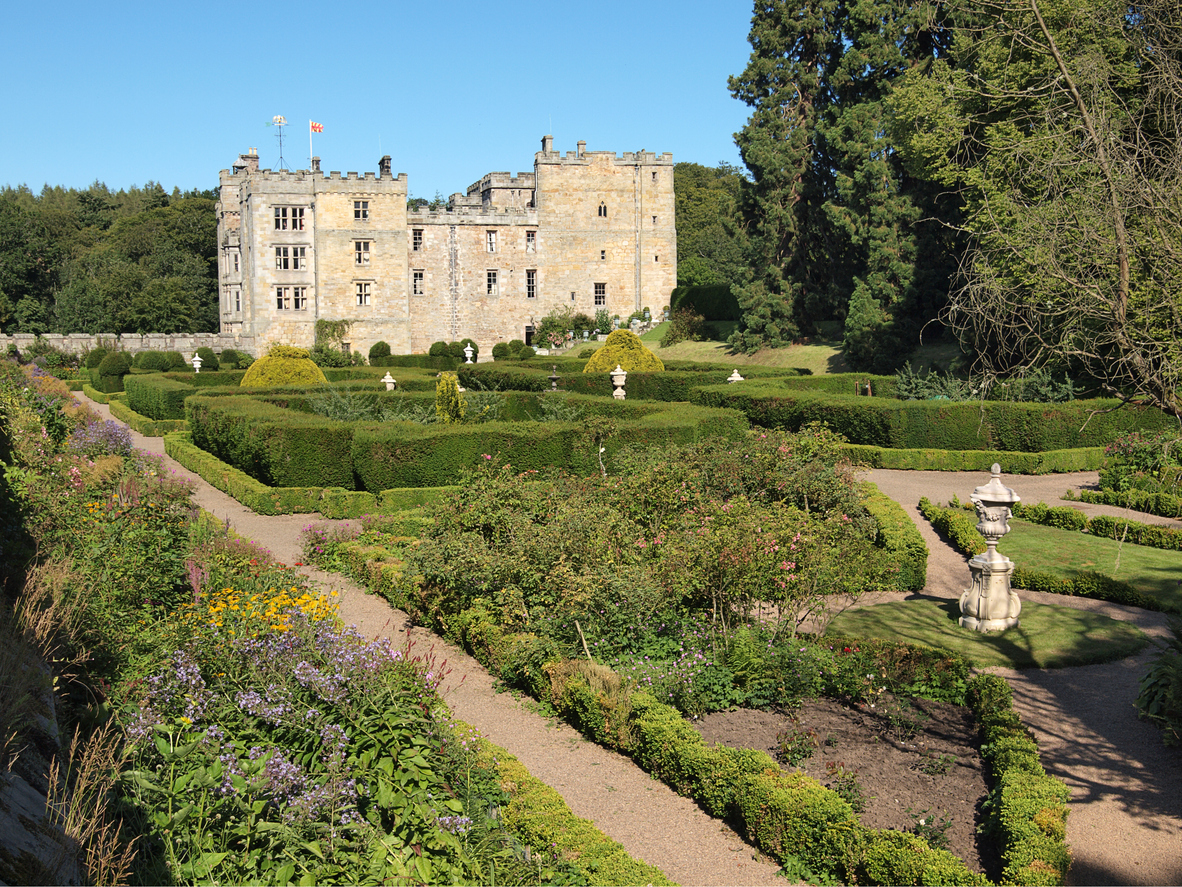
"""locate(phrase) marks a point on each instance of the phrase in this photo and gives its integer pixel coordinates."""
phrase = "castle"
(587, 230)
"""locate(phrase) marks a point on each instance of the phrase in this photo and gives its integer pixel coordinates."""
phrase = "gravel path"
(1125, 825)
(1125, 821)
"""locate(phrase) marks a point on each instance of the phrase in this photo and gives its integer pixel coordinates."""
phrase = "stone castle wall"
(587, 230)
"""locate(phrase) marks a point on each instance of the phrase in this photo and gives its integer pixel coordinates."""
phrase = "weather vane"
(279, 121)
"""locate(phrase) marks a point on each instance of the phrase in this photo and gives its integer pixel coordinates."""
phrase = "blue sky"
(172, 92)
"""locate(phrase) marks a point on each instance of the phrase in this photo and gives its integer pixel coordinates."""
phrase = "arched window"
(602, 209)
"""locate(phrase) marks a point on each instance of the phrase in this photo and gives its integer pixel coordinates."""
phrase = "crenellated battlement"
(472, 215)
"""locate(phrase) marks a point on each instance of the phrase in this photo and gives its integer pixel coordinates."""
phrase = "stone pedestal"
(990, 604)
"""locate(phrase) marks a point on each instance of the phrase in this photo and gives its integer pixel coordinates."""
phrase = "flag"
(316, 127)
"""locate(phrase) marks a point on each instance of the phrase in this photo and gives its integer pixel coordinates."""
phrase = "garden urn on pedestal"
(619, 374)
(196, 363)
(389, 382)
(990, 604)
(467, 354)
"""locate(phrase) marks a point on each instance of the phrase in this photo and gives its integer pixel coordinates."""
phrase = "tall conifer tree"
(835, 223)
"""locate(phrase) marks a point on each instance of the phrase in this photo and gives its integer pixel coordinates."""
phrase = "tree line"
(1009, 168)
(139, 260)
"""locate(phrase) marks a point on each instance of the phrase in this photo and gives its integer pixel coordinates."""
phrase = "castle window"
(656, 258)
(490, 239)
(363, 292)
(298, 260)
(601, 294)
(417, 285)
(416, 239)
(235, 262)
(360, 252)
(531, 241)
(602, 255)
(238, 300)
(531, 283)
(654, 220)
(291, 298)
(491, 283)
(282, 258)
(361, 210)
(602, 210)
(654, 176)
(289, 218)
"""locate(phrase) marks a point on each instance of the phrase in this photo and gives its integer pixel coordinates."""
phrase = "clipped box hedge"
(273, 440)
(1049, 462)
(936, 424)
(143, 424)
(898, 535)
(405, 455)
(279, 447)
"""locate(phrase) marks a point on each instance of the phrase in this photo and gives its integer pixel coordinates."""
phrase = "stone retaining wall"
(186, 343)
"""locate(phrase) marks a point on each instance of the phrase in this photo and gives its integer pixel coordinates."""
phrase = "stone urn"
(990, 604)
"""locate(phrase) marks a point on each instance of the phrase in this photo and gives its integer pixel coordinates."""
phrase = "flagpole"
(309, 144)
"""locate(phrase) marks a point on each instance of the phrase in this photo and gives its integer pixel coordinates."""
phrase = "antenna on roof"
(279, 121)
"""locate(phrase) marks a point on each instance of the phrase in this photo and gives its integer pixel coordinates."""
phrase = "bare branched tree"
(1060, 127)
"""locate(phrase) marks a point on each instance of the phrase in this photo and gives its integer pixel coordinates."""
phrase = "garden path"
(1125, 821)
(1125, 825)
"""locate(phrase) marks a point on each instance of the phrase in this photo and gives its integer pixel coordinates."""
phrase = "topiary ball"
(156, 361)
(525, 353)
(209, 360)
(500, 351)
(283, 366)
(379, 350)
(438, 349)
(114, 364)
(624, 348)
(176, 361)
(95, 356)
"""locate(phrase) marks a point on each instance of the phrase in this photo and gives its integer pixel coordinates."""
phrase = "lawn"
(1150, 571)
(1046, 636)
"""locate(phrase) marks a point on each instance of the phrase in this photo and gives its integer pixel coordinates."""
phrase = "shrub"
(327, 356)
(685, 325)
(585, 353)
(378, 350)
(438, 349)
(526, 353)
(515, 347)
(1160, 699)
(209, 360)
(111, 371)
(283, 365)
(449, 405)
(155, 361)
(176, 361)
(475, 349)
(500, 351)
(623, 347)
(95, 356)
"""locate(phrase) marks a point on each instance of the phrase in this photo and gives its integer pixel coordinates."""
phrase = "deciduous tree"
(1058, 122)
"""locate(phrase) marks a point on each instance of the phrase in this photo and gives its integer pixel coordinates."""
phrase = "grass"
(1150, 571)
(1046, 636)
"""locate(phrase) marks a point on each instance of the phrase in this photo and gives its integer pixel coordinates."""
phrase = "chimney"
(248, 161)
(547, 144)
(582, 148)
(384, 166)
(315, 164)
